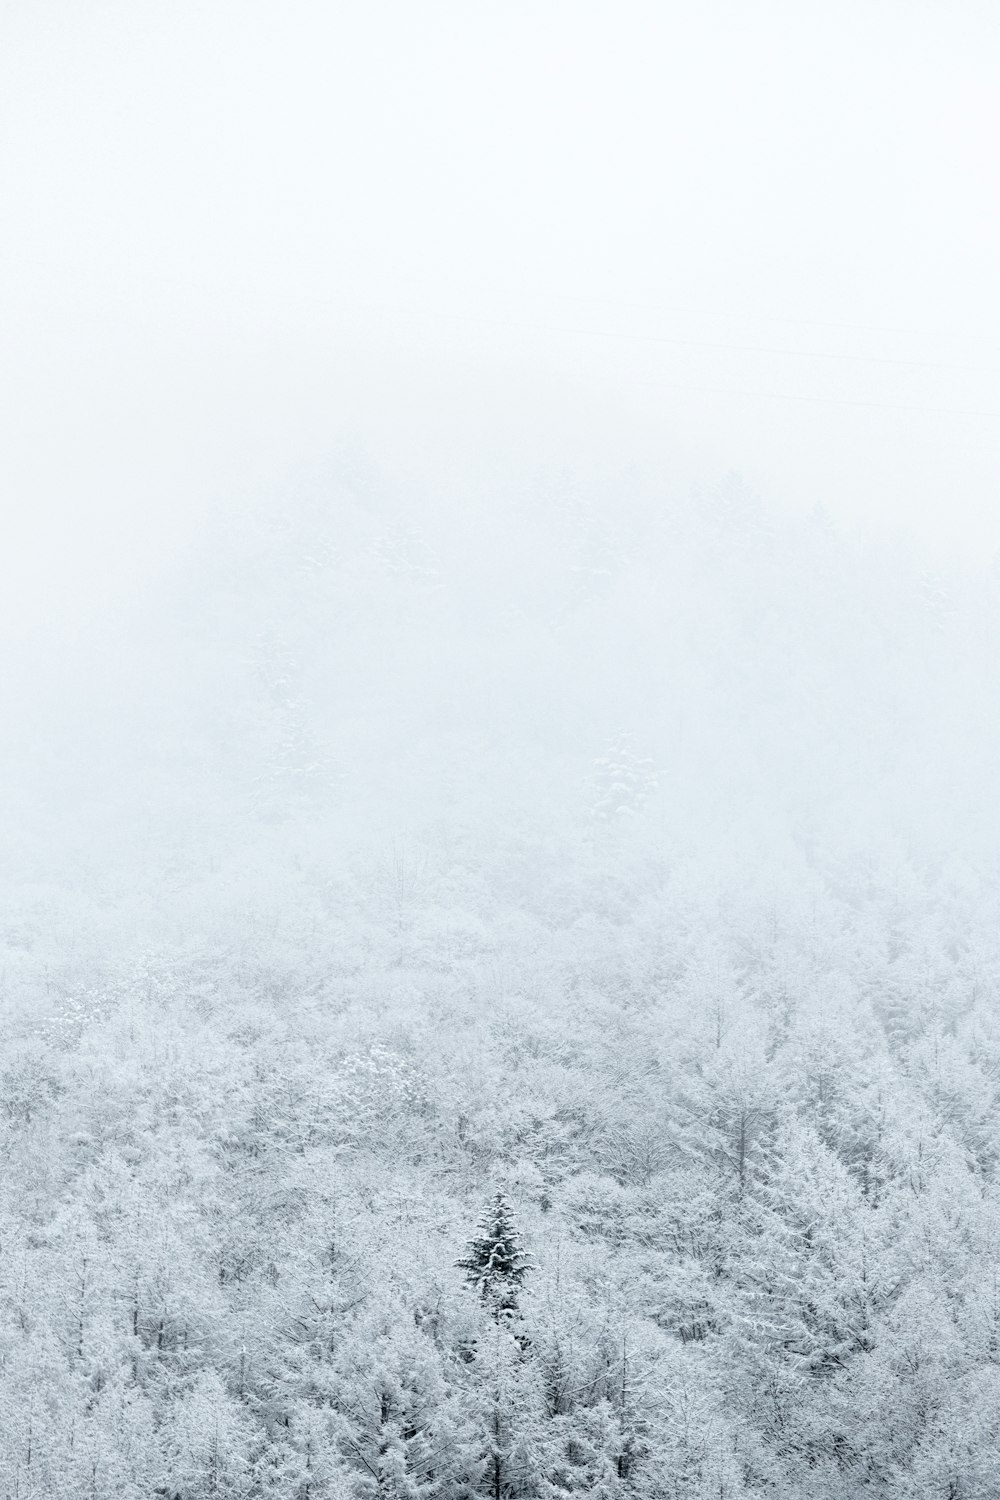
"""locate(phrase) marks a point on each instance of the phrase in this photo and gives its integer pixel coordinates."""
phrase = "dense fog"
(499, 750)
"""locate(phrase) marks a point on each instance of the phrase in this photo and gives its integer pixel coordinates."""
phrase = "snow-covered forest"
(503, 999)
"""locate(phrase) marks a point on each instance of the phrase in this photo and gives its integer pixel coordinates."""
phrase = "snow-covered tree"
(623, 781)
(497, 1262)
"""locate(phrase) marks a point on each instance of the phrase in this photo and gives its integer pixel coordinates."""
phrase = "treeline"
(752, 1158)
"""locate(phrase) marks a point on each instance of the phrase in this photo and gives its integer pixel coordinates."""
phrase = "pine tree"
(623, 781)
(497, 1262)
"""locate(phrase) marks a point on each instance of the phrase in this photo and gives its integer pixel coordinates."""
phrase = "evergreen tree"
(497, 1262)
(623, 781)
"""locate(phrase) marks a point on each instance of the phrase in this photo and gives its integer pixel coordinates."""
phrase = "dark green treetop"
(497, 1262)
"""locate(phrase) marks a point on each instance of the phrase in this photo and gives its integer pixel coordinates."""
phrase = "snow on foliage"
(273, 1034)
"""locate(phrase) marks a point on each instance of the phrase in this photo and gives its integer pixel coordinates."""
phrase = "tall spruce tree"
(497, 1262)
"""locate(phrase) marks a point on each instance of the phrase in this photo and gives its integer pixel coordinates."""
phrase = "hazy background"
(498, 682)
(468, 245)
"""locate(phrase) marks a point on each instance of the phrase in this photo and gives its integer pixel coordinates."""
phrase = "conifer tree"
(497, 1262)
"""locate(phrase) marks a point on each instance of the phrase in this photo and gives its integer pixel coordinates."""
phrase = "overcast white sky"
(699, 236)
